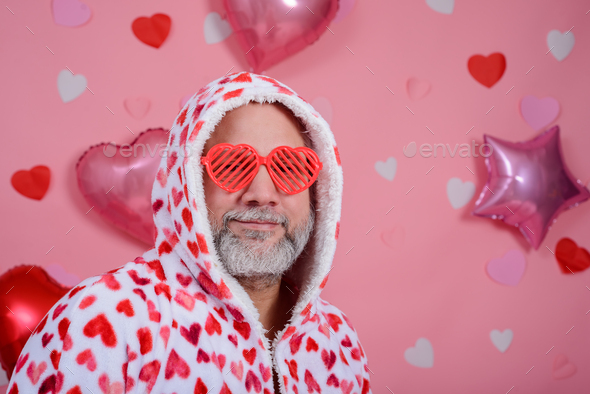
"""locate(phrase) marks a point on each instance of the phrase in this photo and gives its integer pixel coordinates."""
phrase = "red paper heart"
(152, 31)
(33, 183)
(487, 70)
(569, 255)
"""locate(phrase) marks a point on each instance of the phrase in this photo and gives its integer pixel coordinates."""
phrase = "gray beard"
(252, 260)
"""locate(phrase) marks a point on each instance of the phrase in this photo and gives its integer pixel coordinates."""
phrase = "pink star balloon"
(528, 184)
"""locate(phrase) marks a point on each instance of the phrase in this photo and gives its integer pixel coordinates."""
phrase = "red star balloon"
(528, 184)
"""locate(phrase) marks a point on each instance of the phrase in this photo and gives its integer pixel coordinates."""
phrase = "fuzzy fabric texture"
(173, 320)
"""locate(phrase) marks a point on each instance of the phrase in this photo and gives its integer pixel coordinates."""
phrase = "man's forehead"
(264, 128)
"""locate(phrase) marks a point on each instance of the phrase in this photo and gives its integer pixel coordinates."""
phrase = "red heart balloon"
(569, 255)
(270, 31)
(31, 294)
(152, 31)
(117, 181)
(33, 183)
(487, 70)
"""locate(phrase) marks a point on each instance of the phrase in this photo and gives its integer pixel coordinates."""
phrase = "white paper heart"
(459, 192)
(215, 28)
(137, 107)
(442, 6)
(501, 340)
(70, 86)
(421, 355)
(562, 43)
(387, 169)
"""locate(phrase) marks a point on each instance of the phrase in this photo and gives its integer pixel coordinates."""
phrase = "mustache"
(256, 214)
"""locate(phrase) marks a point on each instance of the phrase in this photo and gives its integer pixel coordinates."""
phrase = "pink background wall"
(420, 270)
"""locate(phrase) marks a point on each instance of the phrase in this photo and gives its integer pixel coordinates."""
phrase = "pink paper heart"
(562, 368)
(417, 88)
(70, 13)
(394, 238)
(538, 113)
(105, 173)
(137, 107)
(508, 269)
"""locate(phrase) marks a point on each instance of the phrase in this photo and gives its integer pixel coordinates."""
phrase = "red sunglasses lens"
(232, 168)
(294, 170)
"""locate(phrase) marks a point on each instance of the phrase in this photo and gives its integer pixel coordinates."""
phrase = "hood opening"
(183, 229)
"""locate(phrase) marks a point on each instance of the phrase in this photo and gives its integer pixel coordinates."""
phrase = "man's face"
(246, 248)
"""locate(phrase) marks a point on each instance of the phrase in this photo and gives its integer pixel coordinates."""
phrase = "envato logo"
(464, 150)
(140, 150)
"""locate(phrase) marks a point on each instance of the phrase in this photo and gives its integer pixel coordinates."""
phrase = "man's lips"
(260, 225)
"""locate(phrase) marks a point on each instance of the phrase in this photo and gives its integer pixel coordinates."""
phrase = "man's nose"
(262, 189)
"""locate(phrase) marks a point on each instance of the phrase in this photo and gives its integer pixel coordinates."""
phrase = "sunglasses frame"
(262, 160)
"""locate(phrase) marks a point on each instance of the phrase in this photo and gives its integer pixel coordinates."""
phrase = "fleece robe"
(173, 320)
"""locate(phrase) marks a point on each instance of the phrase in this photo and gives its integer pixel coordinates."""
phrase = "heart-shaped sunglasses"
(232, 167)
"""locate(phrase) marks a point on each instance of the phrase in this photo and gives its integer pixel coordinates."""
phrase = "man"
(247, 208)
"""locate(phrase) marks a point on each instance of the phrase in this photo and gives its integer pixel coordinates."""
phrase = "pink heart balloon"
(117, 181)
(538, 113)
(270, 31)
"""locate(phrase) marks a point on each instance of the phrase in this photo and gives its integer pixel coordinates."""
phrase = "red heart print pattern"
(46, 339)
(311, 345)
(192, 334)
(328, 358)
(237, 369)
(252, 381)
(333, 381)
(126, 307)
(22, 360)
(265, 372)
(87, 357)
(218, 360)
(184, 280)
(293, 369)
(154, 315)
(202, 356)
(55, 356)
(249, 355)
(212, 325)
(101, 325)
(312, 384)
(176, 365)
(242, 328)
(149, 374)
(346, 386)
(34, 372)
(165, 334)
(144, 335)
(58, 310)
(107, 388)
(295, 343)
